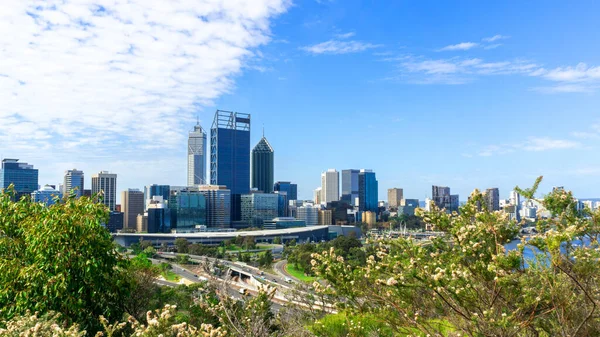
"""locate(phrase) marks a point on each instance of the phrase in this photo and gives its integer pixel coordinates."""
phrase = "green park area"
(298, 273)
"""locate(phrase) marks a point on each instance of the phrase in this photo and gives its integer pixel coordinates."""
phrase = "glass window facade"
(159, 220)
(368, 190)
(156, 190)
(289, 188)
(263, 166)
(258, 207)
(22, 175)
(188, 210)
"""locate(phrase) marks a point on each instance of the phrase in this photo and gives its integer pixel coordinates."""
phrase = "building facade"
(22, 175)
(408, 206)
(73, 183)
(230, 156)
(370, 218)
(46, 195)
(196, 165)
(218, 205)
(132, 204)
(330, 186)
(290, 189)
(441, 197)
(262, 168)
(350, 186)
(308, 213)
(395, 196)
(107, 184)
(188, 210)
(325, 217)
(258, 207)
(368, 189)
(283, 223)
(492, 199)
(158, 216)
(115, 222)
(154, 190)
(318, 195)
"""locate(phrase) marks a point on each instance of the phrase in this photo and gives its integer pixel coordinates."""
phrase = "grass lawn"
(170, 276)
(298, 273)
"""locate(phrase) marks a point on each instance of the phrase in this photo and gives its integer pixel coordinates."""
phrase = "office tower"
(339, 212)
(258, 207)
(263, 166)
(514, 199)
(107, 184)
(283, 203)
(22, 175)
(308, 213)
(158, 216)
(350, 186)
(325, 217)
(441, 197)
(196, 157)
(218, 205)
(330, 186)
(370, 218)
(115, 222)
(188, 210)
(318, 195)
(73, 183)
(230, 156)
(132, 204)
(46, 194)
(289, 188)
(368, 190)
(142, 223)
(156, 190)
(492, 199)
(395, 196)
(408, 206)
(87, 193)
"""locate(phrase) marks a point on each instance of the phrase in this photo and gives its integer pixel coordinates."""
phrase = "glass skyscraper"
(230, 156)
(22, 175)
(197, 157)
(218, 206)
(367, 191)
(73, 183)
(263, 166)
(188, 210)
(156, 190)
(289, 188)
(350, 186)
(258, 207)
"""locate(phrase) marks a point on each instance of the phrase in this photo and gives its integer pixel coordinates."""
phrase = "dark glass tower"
(263, 166)
(289, 188)
(230, 155)
(367, 191)
(22, 175)
(350, 186)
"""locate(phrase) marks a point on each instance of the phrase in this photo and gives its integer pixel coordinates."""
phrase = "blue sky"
(466, 94)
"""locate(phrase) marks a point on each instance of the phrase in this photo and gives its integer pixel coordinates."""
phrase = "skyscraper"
(156, 190)
(263, 166)
(107, 183)
(73, 183)
(395, 196)
(289, 188)
(197, 157)
(132, 204)
(492, 199)
(22, 175)
(230, 155)
(350, 186)
(218, 206)
(258, 207)
(330, 186)
(187, 210)
(318, 195)
(441, 197)
(368, 190)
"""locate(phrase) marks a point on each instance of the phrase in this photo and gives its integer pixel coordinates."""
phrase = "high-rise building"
(441, 197)
(196, 157)
(330, 186)
(492, 199)
(107, 184)
(22, 175)
(132, 204)
(339, 212)
(318, 195)
(218, 205)
(158, 216)
(258, 207)
(230, 156)
(73, 183)
(350, 186)
(514, 198)
(188, 210)
(370, 218)
(308, 213)
(325, 217)
(46, 194)
(262, 169)
(283, 211)
(408, 206)
(115, 222)
(289, 188)
(368, 189)
(150, 191)
(395, 196)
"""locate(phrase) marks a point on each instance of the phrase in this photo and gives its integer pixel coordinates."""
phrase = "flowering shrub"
(470, 283)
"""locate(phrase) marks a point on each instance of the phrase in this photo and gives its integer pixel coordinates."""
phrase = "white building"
(197, 157)
(308, 213)
(330, 186)
(318, 195)
(107, 183)
(46, 194)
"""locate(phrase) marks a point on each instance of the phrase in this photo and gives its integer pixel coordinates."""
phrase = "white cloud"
(531, 144)
(339, 47)
(580, 73)
(460, 46)
(495, 38)
(107, 79)
(492, 46)
(345, 36)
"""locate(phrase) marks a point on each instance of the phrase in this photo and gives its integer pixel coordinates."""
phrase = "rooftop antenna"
(197, 119)
(263, 130)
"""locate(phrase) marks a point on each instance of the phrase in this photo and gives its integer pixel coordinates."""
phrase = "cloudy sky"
(465, 94)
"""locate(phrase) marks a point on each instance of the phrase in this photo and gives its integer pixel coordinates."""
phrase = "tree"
(145, 244)
(277, 240)
(59, 258)
(266, 259)
(182, 245)
(249, 243)
(467, 282)
(182, 259)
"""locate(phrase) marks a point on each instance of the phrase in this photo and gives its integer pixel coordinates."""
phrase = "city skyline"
(500, 99)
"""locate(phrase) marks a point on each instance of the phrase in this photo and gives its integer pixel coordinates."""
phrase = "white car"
(288, 280)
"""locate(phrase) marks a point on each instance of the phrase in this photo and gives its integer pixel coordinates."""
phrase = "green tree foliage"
(182, 245)
(59, 258)
(467, 283)
(277, 240)
(266, 259)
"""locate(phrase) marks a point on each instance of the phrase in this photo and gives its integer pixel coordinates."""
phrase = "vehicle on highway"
(288, 280)
(243, 291)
